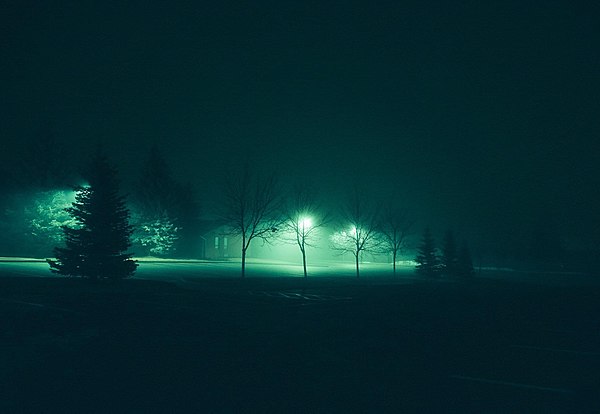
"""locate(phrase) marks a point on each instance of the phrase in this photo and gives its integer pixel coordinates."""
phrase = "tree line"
(450, 261)
(254, 207)
(100, 226)
(36, 187)
(35, 196)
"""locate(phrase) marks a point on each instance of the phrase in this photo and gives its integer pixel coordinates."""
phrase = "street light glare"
(304, 223)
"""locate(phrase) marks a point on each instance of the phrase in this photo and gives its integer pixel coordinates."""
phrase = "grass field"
(185, 343)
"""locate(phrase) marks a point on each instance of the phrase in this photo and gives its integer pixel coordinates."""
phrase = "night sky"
(480, 117)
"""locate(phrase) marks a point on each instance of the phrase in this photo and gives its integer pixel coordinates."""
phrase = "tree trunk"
(357, 271)
(243, 263)
(394, 261)
(304, 263)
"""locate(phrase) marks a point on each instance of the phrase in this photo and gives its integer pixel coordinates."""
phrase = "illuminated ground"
(280, 344)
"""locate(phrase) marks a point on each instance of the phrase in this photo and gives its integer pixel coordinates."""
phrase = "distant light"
(304, 223)
(353, 231)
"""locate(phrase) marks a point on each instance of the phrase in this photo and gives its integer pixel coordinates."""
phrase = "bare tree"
(394, 229)
(251, 208)
(303, 221)
(360, 234)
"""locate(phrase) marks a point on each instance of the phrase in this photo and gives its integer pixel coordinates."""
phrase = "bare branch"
(251, 208)
(303, 220)
(394, 228)
(360, 233)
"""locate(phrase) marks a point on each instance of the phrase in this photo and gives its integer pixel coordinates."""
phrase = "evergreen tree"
(465, 263)
(427, 259)
(155, 191)
(188, 220)
(96, 246)
(160, 200)
(449, 254)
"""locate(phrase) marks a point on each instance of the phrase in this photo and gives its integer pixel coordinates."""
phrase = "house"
(219, 244)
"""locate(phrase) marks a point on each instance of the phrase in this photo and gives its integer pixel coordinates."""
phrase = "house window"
(217, 243)
(224, 243)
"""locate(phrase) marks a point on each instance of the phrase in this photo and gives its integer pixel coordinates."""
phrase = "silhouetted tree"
(96, 246)
(251, 208)
(427, 259)
(465, 263)
(303, 221)
(35, 176)
(164, 211)
(449, 258)
(360, 235)
(394, 228)
(187, 211)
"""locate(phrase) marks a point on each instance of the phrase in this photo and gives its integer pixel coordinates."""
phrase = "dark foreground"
(283, 345)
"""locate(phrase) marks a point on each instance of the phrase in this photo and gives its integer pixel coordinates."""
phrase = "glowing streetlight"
(304, 224)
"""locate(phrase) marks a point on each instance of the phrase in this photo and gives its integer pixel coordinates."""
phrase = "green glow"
(47, 213)
(304, 224)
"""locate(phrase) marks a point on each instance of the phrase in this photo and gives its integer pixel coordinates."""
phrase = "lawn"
(282, 344)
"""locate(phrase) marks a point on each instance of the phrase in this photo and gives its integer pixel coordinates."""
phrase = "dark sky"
(482, 116)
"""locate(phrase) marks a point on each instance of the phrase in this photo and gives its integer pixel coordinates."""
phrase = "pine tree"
(449, 254)
(159, 198)
(96, 246)
(427, 259)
